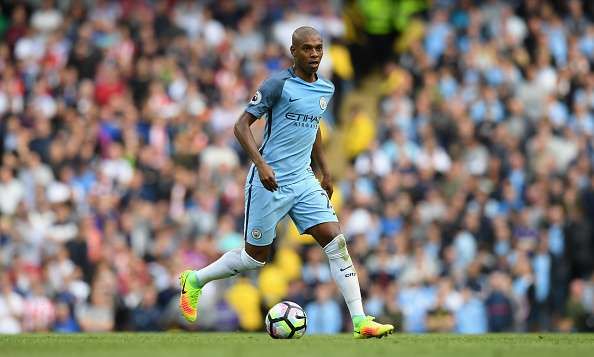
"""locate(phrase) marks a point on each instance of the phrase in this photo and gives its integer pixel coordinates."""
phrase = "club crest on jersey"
(257, 98)
(323, 103)
(256, 233)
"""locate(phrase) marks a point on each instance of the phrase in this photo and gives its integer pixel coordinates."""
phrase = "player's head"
(306, 48)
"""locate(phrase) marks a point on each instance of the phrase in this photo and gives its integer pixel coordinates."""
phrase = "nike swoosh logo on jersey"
(291, 100)
(343, 269)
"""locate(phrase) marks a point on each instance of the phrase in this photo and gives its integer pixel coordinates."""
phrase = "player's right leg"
(263, 210)
(231, 263)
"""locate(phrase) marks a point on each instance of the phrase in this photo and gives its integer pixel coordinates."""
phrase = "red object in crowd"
(104, 91)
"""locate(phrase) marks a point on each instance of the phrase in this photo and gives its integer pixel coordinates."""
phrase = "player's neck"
(308, 77)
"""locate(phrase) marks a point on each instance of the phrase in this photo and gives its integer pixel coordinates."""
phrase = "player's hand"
(267, 177)
(327, 185)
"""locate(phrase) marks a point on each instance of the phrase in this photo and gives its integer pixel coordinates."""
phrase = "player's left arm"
(319, 165)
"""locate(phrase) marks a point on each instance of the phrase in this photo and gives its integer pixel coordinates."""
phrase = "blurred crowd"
(468, 201)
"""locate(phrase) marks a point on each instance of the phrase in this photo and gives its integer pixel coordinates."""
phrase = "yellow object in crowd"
(359, 133)
(293, 235)
(289, 263)
(336, 200)
(273, 284)
(341, 61)
(326, 131)
(396, 78)
(413, 33)
(244, 298)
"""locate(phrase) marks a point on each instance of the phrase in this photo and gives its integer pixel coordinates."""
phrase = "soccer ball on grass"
(286, 320)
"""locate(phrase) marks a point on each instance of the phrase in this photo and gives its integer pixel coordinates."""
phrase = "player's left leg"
(332, 241)
(329, 236)
(313, 214)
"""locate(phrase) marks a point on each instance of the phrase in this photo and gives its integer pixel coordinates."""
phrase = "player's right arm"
(244, 135)
(261, 104)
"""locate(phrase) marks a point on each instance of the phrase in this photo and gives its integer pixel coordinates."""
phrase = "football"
(286, 320)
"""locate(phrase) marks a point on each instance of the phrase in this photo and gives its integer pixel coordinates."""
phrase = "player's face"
(308, 53)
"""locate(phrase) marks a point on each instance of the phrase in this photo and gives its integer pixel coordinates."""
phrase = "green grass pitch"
(260, 345)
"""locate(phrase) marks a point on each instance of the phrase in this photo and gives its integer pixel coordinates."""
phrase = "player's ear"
(292, 49)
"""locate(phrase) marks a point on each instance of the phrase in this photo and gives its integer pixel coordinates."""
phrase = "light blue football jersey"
(293, 110)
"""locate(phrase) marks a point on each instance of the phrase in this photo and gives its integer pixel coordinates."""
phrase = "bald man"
(281, 182)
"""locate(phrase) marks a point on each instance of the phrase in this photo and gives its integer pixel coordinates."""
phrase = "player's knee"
(250, 262)
(258, 253)
(337, 248)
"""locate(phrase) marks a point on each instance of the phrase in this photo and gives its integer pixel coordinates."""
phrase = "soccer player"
(281, 181)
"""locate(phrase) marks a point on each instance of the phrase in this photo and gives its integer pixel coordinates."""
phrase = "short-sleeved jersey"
(293, 109)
